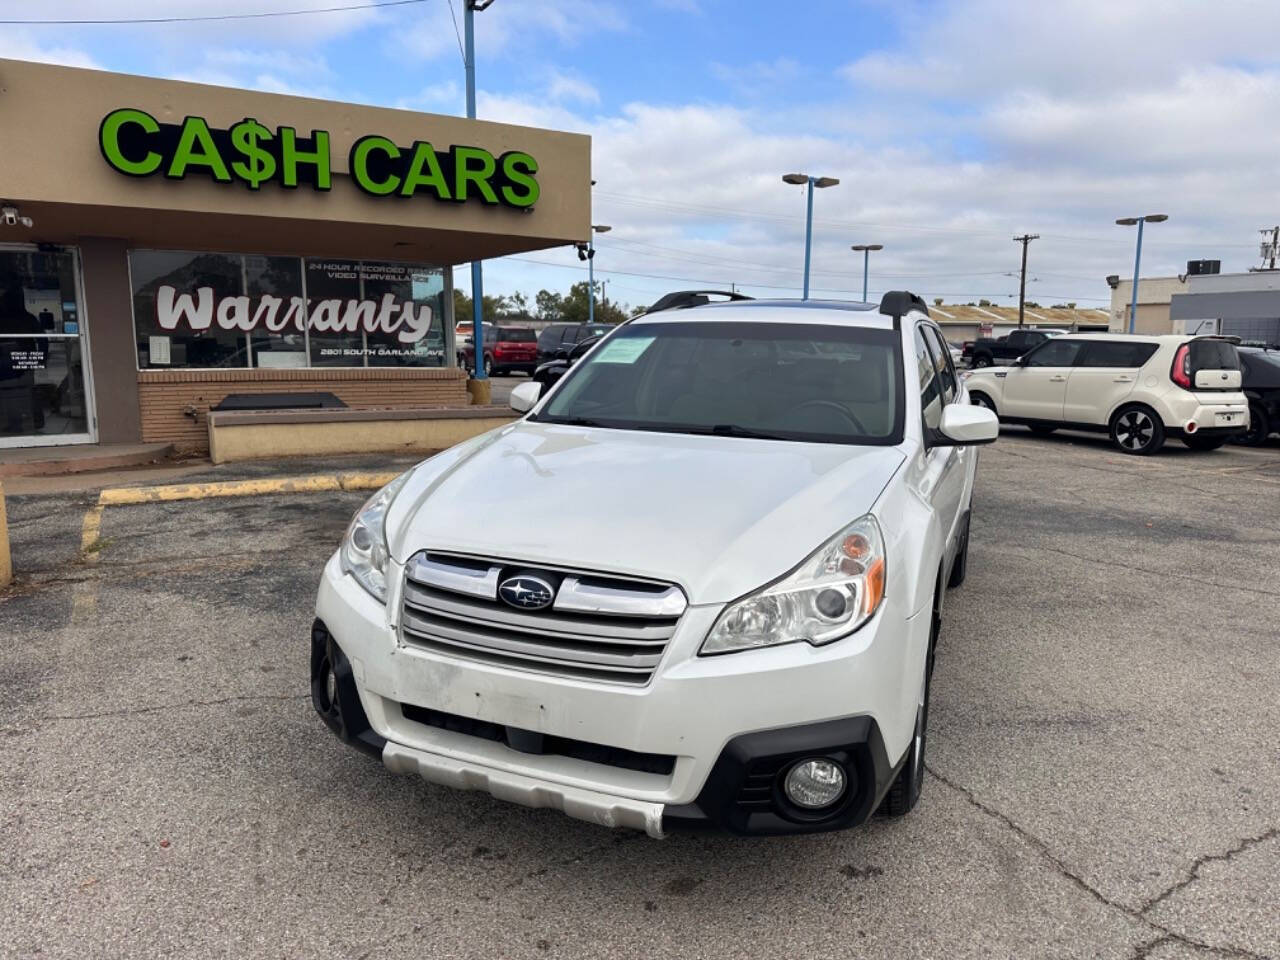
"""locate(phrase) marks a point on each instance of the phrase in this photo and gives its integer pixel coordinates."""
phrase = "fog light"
(813, 784)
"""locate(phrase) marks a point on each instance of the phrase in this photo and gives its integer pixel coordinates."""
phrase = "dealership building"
(167, 245)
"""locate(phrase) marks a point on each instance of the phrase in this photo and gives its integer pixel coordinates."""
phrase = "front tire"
(979, 399)
(960, 565)
(981, 360)
(904, 792)
(1137, 431)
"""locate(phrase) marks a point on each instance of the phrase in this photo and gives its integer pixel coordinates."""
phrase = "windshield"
(782, 381)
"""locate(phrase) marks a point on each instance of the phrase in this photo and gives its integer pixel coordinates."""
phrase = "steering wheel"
(831, 405)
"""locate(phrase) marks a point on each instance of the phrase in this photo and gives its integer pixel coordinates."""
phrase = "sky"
(952, 125)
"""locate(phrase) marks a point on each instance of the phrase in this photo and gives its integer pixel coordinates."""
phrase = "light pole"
(469, 7)
(866, 249)
(1137, 257)
(801, 179)
(587, 252)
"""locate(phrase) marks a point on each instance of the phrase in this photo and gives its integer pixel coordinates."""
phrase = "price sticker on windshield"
(623, 350)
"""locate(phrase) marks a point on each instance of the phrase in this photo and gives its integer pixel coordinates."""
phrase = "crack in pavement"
(1139, 914)
(159, 708)
(1193, 874)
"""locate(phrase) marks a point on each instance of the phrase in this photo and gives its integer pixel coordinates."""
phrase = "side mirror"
(964, 425)
(524, 396)
(1021, 361)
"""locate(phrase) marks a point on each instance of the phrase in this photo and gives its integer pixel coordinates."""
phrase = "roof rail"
(897, 302)
(682, 299)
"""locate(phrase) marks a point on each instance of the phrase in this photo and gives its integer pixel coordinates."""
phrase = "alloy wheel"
(1134, 429)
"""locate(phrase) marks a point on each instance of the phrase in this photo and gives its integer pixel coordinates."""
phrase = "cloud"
(19, 44)
(563, 86)
(514, 27)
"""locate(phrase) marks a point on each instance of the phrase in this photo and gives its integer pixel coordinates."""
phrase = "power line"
(840, 224)
(452, 16)
(767, 286)
(213, 16)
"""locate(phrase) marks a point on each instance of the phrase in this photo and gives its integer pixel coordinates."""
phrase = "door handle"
(1058, 379)
(1123, 380)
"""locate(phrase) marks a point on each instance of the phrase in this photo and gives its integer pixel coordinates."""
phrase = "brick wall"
(164, 395)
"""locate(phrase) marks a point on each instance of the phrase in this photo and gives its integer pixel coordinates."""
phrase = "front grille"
(542, 744)
(599, 627)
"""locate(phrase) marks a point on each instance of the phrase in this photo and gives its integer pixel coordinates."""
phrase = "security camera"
(10, 216)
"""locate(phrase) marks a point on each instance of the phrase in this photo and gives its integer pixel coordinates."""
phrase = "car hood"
(720, 516)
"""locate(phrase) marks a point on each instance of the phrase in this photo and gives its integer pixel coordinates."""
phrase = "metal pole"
(477, 275)
(808, 239)
(591, 283)
(866, 255)
(1022, 285)
(1137, 263)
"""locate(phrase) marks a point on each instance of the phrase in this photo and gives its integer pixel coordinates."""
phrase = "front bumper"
(705, 743)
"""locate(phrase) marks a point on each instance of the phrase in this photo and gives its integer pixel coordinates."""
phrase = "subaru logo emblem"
(526, 592)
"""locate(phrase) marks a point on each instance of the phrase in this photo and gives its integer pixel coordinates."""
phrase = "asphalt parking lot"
(1104, 753)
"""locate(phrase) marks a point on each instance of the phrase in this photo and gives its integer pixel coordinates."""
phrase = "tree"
(495, 307)
(985, 303)
(574, 307)
(549, 306)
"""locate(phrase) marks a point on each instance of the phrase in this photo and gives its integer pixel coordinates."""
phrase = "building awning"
(167, 164)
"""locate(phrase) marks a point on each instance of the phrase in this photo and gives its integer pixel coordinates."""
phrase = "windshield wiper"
(733, 430)
(574, 421)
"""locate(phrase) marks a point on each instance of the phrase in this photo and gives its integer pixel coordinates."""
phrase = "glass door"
(45, 387)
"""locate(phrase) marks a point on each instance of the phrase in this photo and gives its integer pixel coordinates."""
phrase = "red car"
(506, 349)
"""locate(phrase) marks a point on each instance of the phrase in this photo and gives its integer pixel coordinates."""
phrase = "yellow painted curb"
(266, 486)
(6, 561)
(90, 532)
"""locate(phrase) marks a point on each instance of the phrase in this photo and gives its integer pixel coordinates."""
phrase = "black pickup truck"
(989, 351)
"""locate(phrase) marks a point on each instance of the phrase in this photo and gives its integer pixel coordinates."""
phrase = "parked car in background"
(733, 626)
(1261, 380)
(506, 349)
(988, 351)
(551, 371)
(1139, 389)
(557, 340)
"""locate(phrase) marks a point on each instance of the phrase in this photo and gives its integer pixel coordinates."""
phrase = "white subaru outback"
(699, 583)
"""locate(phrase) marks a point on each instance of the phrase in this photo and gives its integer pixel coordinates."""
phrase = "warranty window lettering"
(250, 153)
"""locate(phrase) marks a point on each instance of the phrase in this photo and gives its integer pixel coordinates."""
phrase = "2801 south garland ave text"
(136, 144)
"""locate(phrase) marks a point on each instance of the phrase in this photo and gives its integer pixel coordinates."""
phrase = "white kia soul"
(1139, 389)
(698, 584)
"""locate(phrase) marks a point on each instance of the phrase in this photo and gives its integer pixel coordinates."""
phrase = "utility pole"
(469, 7)
(1025, 239)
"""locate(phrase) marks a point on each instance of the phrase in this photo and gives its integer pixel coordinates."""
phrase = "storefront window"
(242, 310)
(42, 376)
(366, 313)
(178, 300)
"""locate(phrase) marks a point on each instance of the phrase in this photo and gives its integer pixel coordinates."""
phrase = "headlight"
(830, 595)
(364, 552)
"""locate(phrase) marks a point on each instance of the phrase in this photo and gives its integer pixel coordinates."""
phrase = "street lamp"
(590, 254)
(803, 179)
(1137, 257)
(866, 249)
